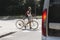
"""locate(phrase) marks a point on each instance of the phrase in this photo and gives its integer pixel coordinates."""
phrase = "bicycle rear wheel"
(34, 25)
(19, 24)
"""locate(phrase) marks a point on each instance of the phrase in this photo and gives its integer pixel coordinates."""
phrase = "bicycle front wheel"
(34, 24)
(19, 24)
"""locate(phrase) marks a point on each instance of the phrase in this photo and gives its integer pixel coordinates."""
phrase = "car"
(51, 20)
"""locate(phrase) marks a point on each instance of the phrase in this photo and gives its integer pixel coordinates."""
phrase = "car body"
(51, 20)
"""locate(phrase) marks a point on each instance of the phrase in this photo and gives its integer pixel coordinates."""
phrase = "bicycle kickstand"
(25, 27)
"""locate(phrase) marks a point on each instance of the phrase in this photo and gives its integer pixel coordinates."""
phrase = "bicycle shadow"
(31, 29)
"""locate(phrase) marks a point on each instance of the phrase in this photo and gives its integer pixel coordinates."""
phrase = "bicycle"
(21, 23)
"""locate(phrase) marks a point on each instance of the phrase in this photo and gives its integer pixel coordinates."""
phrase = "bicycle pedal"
(30, 27)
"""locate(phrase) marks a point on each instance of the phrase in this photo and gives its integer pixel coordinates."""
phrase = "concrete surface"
(7, 26)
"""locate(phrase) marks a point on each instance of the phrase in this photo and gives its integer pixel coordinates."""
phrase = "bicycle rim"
(19, 24)
(34, 25)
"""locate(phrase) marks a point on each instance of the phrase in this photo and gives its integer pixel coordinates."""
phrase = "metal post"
(35, 7)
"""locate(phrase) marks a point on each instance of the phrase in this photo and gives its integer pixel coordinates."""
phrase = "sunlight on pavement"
(9, 26)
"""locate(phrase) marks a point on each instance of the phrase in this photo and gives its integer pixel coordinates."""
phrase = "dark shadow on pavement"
(31, 29)
(7, 34)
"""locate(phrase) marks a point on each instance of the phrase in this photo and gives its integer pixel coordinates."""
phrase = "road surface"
(7, 26)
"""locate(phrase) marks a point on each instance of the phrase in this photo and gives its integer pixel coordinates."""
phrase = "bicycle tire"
(19, 24)
(35, 24)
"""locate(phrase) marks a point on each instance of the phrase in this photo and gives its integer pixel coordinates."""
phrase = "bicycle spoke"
(19, 24)
(33, 24)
